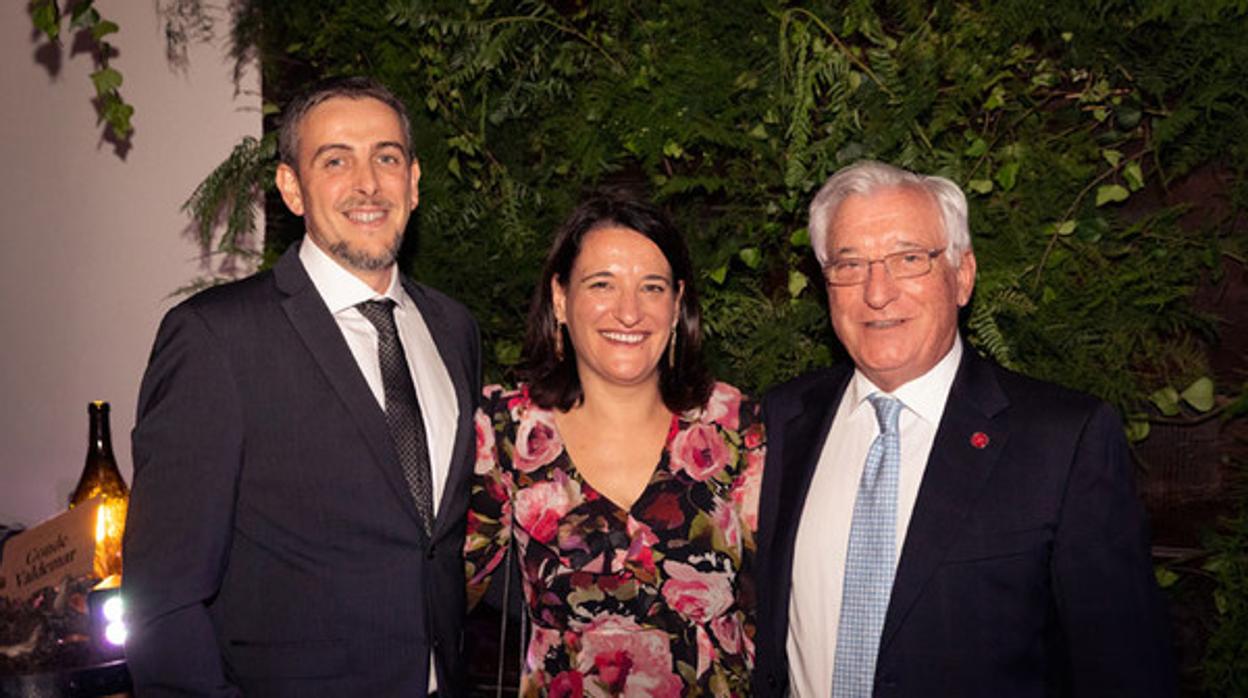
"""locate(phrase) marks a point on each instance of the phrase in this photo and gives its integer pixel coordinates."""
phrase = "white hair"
(868, 176)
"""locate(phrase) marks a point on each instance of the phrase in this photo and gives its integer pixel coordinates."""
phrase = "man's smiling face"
(896, 329)
(355, 186)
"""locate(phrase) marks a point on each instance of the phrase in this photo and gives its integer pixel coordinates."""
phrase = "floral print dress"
(645, 602)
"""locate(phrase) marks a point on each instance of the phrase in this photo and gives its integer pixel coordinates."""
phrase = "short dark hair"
(556, 384)
(325, 90)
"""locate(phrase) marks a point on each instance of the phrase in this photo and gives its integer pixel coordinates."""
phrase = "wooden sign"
(63, 546)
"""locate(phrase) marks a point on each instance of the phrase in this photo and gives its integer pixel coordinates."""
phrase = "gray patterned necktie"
(403, 416)
(870, 561)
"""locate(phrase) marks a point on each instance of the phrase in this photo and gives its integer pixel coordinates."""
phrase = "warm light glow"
(101, 524)
(110, 521)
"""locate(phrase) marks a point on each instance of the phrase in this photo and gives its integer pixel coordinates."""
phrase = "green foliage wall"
(1077, 127)
(1068, 123)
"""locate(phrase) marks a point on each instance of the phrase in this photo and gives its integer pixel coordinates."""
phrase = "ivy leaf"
(1007, 175)
(117, 115)
(672, 149)
(1113, 157)
(977, 147)
(1199, 394)
(1044, 80)
(83, 15)
(1111, 193)
(980, 186)
(1062, 228)
(718, 274)
(1134, 175)
(800, 237)
(996, 99)
(1167, 400)
(1137, 430)
(46, 17)
(106, 80)
(103, 29)
(751, 256)
(797, 283)
(1090, 234)
(1166, 577)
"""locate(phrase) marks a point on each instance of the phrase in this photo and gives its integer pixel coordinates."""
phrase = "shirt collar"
(339, 288)
(925, 396)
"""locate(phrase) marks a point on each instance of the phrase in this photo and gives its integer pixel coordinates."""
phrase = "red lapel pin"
(979, 440)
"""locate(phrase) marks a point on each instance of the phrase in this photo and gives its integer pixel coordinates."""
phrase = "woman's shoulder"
(508, 404)
(495, 392)
(525, 432)
(727, 408)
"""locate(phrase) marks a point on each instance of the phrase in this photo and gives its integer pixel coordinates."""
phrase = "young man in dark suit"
(930, 523)
(303, 445)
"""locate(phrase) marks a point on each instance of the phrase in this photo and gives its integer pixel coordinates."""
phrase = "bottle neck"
(100, 439)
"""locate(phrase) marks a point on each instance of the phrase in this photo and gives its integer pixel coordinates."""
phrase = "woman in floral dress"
(628, 478)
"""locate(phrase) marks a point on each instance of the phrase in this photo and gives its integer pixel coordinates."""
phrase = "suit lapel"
(444, 336)
(312, 320)
(800, 434)
(804, 436)
(956, 473)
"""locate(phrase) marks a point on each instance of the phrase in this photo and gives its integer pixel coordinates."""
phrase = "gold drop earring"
(671, 349)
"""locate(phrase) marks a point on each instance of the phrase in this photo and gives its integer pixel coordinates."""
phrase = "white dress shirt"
(823, 533)
(342, 291)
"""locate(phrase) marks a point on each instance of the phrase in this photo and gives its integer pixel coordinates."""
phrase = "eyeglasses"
(851, 271)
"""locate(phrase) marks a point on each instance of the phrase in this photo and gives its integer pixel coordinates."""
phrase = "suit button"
(431, 553)
(771, 680)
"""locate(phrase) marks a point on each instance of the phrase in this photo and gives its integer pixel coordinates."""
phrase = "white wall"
(91, 246)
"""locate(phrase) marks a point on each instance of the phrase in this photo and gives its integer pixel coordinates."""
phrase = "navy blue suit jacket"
(1025, 569)
(273, 547)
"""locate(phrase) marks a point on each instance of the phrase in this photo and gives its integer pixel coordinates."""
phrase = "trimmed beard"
(357, 259)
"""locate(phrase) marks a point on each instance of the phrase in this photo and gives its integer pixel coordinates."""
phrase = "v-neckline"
(664, 457)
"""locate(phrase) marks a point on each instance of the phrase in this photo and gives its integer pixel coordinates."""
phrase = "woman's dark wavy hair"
(556, 384)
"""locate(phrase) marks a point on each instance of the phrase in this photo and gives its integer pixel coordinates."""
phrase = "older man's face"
(896, 329)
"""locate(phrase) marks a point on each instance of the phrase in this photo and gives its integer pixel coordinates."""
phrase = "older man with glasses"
(930, 523)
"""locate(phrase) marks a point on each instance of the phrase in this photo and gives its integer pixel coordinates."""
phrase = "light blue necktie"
(870, 562)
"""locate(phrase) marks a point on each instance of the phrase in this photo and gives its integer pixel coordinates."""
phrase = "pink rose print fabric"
(653, 601)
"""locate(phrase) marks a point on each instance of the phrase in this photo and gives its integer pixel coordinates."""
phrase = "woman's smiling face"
(620, 305)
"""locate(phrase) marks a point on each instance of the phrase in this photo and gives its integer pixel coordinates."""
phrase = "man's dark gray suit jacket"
(273, 547)
(1025, 570)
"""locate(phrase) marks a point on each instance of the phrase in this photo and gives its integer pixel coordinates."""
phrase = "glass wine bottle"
(101, 478)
